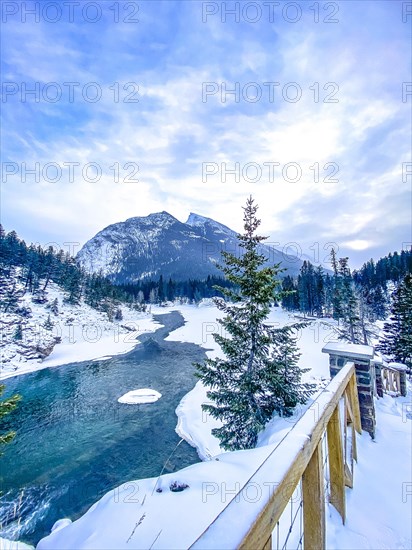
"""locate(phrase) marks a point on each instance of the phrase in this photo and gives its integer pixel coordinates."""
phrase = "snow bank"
(59, 524)
(11, 545)
(147, 514)
(86, 334)
(194, 425)
(137, 397)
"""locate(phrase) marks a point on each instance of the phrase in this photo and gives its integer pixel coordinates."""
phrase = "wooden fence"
(391, 380)
(298, 458)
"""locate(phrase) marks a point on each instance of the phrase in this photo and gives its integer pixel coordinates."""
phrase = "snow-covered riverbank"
(12, 545)
(378, 516)
(148, 512)
(84, 334)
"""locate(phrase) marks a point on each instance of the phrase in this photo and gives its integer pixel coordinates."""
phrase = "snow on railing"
(314, 461)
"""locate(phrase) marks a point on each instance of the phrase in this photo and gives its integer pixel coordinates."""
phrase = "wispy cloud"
(350, 114)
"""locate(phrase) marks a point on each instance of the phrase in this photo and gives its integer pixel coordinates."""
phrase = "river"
(75, 442)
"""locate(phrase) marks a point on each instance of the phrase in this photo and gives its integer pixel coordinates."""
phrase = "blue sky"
(163, 54)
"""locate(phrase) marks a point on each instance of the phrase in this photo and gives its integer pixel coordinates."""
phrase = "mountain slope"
(159, 244)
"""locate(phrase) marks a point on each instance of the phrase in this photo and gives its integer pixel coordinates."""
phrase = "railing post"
(378, 363)
(348, 422)
(304, 447)
(361, 356)
(313, 492)
(336, 464)
(354, 402)
(400, 374)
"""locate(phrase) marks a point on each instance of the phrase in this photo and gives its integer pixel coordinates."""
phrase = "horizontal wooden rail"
(248, 525)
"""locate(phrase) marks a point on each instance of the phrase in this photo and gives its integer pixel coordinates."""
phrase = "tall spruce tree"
(351, 328)
(338, 291)
(349, 306)
(252, 381)
(282, 375)
(396, 342)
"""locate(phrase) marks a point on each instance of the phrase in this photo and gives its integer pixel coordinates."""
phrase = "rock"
(36, 349)
(39, 297)
(177, 486)
(24, 311)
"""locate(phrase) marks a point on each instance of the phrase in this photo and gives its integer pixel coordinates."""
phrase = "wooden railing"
(391, 380)
(247, 524)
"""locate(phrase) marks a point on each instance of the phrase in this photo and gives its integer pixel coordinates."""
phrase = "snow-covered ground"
(85, 334)
(379, 507)
(10, 545)
(150, 513)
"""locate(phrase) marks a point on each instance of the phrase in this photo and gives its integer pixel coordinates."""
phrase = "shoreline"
(80, 350)
(193, 425)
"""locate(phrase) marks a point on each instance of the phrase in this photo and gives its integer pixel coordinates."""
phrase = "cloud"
(172, 131)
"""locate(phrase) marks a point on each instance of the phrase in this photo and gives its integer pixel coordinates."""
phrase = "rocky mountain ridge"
(159, 244)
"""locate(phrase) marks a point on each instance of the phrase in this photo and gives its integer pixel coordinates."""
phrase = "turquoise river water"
(74, 440)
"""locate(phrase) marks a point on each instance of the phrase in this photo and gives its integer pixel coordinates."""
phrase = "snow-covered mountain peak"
(160, 244)
(157, 218)
(196, 220)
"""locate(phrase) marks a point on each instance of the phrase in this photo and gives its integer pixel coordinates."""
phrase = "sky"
(112, 110)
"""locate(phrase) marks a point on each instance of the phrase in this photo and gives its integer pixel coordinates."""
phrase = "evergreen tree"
(18, 334)
(6, 406)
(319, 298)
(161, 290)
(10, 293)
(54, 306)
(352, 328)
(306, 288)
(170, 290)
(249, 384)
(349, 305)
(49, 267)
(311, 289)
(373, 302)
(154, 296)
(48, 324)
(378, 303)
(328, 285)
(290, 296)
(72, 280)
(366, 326)
(337, 295)
(396, 342)
(282, 376)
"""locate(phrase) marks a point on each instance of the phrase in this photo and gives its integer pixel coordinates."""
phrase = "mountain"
(159, 244)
